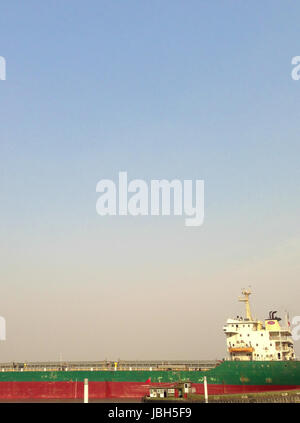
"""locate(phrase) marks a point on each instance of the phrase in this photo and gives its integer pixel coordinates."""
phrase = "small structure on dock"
(178, 390)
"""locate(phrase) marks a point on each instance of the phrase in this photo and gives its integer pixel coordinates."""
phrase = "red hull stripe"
(74, 390)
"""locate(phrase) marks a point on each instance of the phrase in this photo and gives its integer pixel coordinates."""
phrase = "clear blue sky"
(161, 89)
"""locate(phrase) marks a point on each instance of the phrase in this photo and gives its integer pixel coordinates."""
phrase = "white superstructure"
(251, 339)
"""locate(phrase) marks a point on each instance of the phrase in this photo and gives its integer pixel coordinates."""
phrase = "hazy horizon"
(161, 90)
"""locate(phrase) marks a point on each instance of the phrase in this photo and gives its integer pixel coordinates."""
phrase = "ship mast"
(245, 300)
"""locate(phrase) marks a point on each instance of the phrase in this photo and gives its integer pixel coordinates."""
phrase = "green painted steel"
(226, 373)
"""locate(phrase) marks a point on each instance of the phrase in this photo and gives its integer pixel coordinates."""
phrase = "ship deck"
(140, 365)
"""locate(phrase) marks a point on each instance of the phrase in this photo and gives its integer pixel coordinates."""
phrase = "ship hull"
(113, 390)
(226, 378)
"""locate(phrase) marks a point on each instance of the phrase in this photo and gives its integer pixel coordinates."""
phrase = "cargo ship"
(260, 358)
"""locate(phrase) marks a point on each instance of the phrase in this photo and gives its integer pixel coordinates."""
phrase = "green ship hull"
(227, 377)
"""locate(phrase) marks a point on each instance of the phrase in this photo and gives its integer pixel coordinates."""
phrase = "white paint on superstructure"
(250, 339)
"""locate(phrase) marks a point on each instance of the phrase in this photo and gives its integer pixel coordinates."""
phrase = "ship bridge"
(251, 339)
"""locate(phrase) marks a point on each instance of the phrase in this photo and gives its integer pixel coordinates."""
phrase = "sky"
(161, 90)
